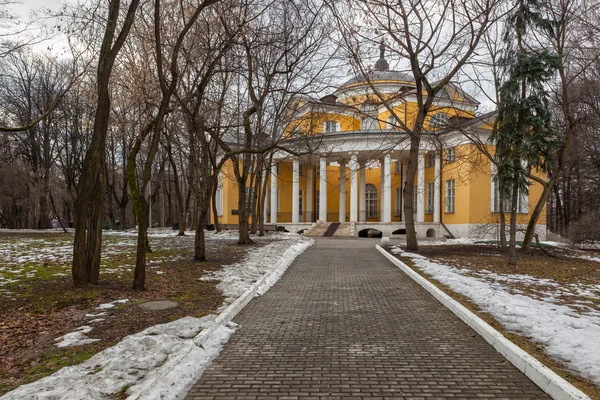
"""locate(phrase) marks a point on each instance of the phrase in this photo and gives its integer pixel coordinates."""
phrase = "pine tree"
(525, 138)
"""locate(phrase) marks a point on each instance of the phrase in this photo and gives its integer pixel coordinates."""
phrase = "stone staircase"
(343, 229)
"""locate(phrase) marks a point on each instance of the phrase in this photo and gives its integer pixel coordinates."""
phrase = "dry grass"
(40, 306)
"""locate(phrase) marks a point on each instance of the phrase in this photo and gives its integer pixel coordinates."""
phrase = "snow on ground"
(567, 333)
(164, 361)
(76, 338)
(159, 362)
(237, 278)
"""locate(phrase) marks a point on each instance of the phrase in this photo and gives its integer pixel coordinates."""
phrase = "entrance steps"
(343, 229)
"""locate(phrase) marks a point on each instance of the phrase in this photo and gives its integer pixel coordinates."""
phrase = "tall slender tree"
(525, 138)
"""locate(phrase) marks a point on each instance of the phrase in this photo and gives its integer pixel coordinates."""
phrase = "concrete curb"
(555, 386)
(260, 287)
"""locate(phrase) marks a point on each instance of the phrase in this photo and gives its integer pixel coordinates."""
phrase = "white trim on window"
(450, 196)
(429, 198)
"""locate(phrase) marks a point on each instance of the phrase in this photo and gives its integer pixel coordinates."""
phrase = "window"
(391, 122)
(278, 165)
(429, 196)
(318, 203)
(300, 202)
(371, 200)
(450, 196)
(522, 200)
(439, 120)
(369, 124)
(369, 120)
(398, 167)
(398, 211)
(331, 126)
(300, 170)
(451, 154)
(429, 160)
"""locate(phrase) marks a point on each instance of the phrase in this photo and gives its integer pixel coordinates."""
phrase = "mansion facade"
(356, 173)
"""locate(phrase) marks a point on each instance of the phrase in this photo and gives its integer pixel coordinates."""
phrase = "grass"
(41, 306)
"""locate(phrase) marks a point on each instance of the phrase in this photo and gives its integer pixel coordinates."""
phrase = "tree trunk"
(535, 215)
(139, 274)
(199, 239)
(243, 225)
(503, 245)
(409, 188)
(214, 207)
(512, 247)
(87, 242)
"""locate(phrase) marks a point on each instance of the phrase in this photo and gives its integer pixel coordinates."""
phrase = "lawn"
(39, 304)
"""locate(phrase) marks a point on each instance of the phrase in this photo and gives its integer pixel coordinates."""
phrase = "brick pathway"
(344, 323)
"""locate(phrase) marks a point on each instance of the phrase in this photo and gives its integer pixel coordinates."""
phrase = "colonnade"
(358, 206)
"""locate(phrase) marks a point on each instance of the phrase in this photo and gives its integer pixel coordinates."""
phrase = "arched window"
(369, 120)
(371, 200)
(439, 120)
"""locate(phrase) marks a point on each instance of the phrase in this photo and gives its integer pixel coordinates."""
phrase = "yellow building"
(354, 172)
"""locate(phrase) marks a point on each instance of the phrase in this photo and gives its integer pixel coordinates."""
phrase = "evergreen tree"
(525, 138)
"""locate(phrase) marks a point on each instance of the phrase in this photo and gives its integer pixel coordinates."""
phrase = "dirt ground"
(567, 267)
(39, 303)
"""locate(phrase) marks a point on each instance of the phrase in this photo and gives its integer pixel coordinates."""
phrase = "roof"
(380, 76)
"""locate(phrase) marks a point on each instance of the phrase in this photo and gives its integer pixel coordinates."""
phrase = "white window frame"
(331, 126)
(429, 198)
(522, 203)
(450, 154)
(371, 200)
(300, 201)
(391, 122)
(450, 196)
(398, 211)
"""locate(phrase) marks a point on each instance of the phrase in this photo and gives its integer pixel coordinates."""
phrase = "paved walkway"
(344, 323)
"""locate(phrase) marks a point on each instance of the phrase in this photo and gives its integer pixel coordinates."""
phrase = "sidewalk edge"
(551, 383)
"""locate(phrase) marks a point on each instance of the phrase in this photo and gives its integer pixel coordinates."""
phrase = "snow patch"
(78, 337)
(160, 362)
(566, 334)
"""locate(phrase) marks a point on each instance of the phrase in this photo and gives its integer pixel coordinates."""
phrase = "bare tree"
(431, 40)
(88, 221)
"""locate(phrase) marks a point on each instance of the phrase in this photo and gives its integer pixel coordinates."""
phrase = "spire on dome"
(382, 64)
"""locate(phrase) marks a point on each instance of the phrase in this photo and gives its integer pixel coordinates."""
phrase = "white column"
(362, 195)
(323, 190)
(354, 187)
(436, 189)
(309, 194)
(421, 189)
(387, 189)
(295, 192)
(403, 177)
(274, 194)
(265, 202)
(381, 203)
(342, 216)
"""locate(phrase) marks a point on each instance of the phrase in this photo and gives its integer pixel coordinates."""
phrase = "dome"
(380, 76)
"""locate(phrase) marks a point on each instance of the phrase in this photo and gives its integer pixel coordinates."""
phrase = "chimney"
(329, 99)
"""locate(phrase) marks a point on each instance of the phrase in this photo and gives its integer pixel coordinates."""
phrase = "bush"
(585, 231)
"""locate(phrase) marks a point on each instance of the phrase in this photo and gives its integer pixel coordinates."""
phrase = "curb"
(552, 384)
(225, 317)
(259, 288)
